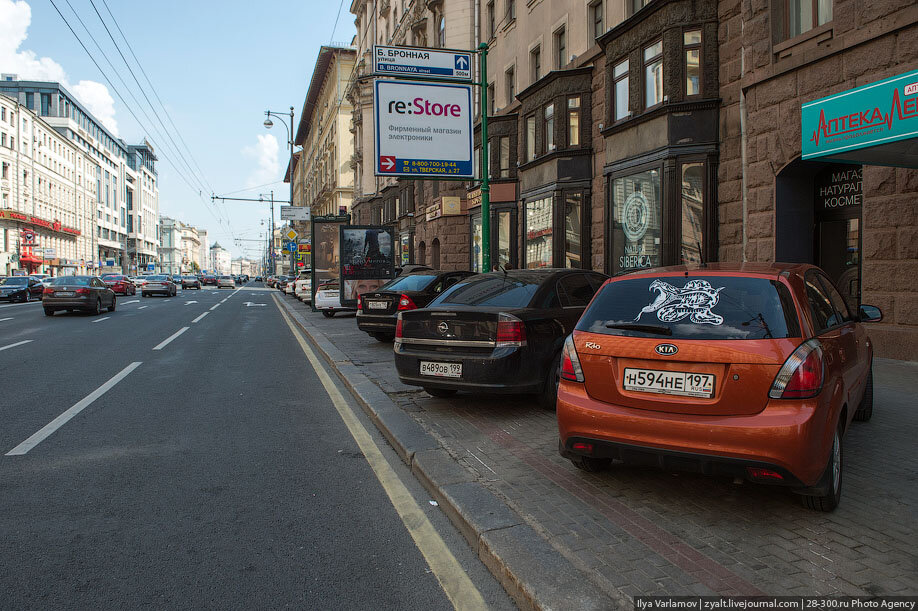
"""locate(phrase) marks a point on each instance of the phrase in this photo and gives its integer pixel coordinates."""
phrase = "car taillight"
(802, 374)
(405, 303)
(767, 475)
(398, 326)
(360, 304)
(570, 362)
(83, 291)
(511, 331)
(48, 291)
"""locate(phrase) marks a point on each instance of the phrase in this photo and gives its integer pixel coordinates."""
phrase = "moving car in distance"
(744, 370)
(498, 332)
(21, 288)
(71, 293)
(210, 279)
(191, 282)
(377, 310)
(159, 285)
(225, 282)
(120, 284)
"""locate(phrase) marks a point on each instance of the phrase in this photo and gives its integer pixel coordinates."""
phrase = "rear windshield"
(409, 283)
(490, 291)
(17, 281)
(156, 278)
(111, 277)
(71, 280)
(696, 307)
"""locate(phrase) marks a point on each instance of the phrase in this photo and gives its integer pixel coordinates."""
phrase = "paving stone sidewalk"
(639, 531)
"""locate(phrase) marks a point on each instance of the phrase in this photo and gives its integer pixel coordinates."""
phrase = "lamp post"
(268, 125)
(271, 233)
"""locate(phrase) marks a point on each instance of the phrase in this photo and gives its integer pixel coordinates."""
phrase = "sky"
(215, 66)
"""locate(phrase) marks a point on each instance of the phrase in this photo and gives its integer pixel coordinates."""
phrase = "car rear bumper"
(504, 370)
(790, 437)
(375, 323)
(154, 291)
(54, 303)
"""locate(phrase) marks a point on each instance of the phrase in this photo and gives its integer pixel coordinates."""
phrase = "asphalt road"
(214, 471)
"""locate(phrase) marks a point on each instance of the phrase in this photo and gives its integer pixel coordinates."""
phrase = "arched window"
(435, 253)
(441, 32)
(422, 253)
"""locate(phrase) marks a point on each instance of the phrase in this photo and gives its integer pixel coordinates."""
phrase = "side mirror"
(869, 313)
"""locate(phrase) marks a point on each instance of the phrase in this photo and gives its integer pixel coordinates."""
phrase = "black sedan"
(377, 310)
(86, 293)
(20, 288)
(498, 332)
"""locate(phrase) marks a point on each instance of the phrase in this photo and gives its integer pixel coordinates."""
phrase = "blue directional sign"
(422, 62)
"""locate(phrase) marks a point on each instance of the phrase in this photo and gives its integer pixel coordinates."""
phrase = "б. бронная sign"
(423, 129)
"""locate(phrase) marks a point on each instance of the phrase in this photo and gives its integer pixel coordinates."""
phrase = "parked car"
(210, 279)
(21, 288)
(87, 293)
(411, 267)
(225, 282)
(751, 371)
(159, 285)
(290, 286)
(191, 282)
(280, 282)
(328, 299)
(497, 332)
(120, 284)
(377, 310)
(302, 288)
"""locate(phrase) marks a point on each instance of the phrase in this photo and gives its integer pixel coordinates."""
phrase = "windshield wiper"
(654, 329)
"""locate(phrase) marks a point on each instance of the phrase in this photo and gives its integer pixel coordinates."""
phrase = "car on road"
(191, 282)
(377, 310)
(21, 288)
(498, 332)
(71, 293)
(748, 371)
(120, 284)
(209, 279)
(139, 281)
(225, 282)
(159, 285)
(328, 300)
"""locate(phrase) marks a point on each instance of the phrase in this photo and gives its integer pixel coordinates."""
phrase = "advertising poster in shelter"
(326, 262)
(367, 260)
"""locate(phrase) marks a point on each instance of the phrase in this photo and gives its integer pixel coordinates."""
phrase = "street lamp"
(268, 125)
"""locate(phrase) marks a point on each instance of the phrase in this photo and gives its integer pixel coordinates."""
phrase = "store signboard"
(423, 129)
(876, 114)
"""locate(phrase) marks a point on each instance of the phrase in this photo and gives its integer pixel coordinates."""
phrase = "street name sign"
(421, 62)
(295, 213)
(423, 129)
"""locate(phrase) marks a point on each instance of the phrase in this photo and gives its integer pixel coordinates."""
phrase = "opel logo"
(666, 349)
(443, 328)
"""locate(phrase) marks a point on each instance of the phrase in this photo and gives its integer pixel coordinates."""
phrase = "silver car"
(225, 281)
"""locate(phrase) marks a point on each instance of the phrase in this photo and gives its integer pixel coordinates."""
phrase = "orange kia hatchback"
(743, 370)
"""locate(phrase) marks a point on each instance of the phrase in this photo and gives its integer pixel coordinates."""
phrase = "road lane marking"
(14, 345)
(101, 319)
(16, 305)
(216, 305)
(2, 319)
(142, 307)
(190, 302)
(131, 301)
(200, 317)
(61, 420)
(166, 341)
(456, 584)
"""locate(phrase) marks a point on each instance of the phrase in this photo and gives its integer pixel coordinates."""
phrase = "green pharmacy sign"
(873, 124)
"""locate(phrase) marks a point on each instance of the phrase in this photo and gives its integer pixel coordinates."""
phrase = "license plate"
(377, 305)
(669, 382)
(331, 294)
(441, 370)
(63, 294)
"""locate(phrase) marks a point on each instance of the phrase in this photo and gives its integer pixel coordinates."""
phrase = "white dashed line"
(142, 307)
(101, 319)
(131, 301)
(200, 317)
(170, 338)
(14, 345)
(2, 319)
(216, 305)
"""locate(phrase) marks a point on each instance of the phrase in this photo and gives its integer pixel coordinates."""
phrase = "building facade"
(170, 249)
(220, 259)
(853, 212)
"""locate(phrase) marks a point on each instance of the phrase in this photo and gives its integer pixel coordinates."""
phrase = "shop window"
(691, 41)
(573, 121)
(530, 137)
(803, 15)
(510, 84)
(405, 248)
(476, 163)
(504, 238)
(653, 75)
(504, 156)
(476, 242)
(539, 233)
(620, 80)
(597, 19)
(573, 230)
(535, 64)
(549, 125)
(637, 212)
(560, 48)
(692, 213)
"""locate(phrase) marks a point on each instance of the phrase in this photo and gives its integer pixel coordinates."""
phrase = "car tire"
(383, 337)
(111, 308)
(27, 298)
(98, 308)
(49, 312)
(441, 393)
(865, 410)
(328, 313)
(548, 399)
(590, 464)
(831, 479)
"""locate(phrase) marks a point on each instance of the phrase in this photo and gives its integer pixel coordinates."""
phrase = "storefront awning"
(876, 124)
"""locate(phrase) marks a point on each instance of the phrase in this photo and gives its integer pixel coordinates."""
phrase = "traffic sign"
(295, 213)
(291, 234)
(422, 62)
(423, 129)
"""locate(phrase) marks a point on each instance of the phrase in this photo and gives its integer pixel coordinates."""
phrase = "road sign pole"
(485, 166)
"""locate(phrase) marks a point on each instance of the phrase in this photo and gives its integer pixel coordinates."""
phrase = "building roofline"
(319, 74)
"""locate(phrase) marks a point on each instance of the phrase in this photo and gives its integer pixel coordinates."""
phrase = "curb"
(531, 571)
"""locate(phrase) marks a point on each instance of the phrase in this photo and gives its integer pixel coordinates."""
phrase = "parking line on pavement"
(200, 317)
(14, 345)
(61, 420)
(169, 339)
(455, 582)
(101, 319)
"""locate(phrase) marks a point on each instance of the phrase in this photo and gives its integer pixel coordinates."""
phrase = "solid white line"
(101, 319)
(142, 307)
(166, 341)
(14, 345)
(200, 317)
(2, 319)
(216, 305)
(61, 420)
(16, 305)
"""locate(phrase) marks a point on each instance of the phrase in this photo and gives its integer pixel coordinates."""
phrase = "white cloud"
(264, 154)
(15, 18)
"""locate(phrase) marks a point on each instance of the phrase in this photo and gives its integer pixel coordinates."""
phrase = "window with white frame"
(653, 74)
